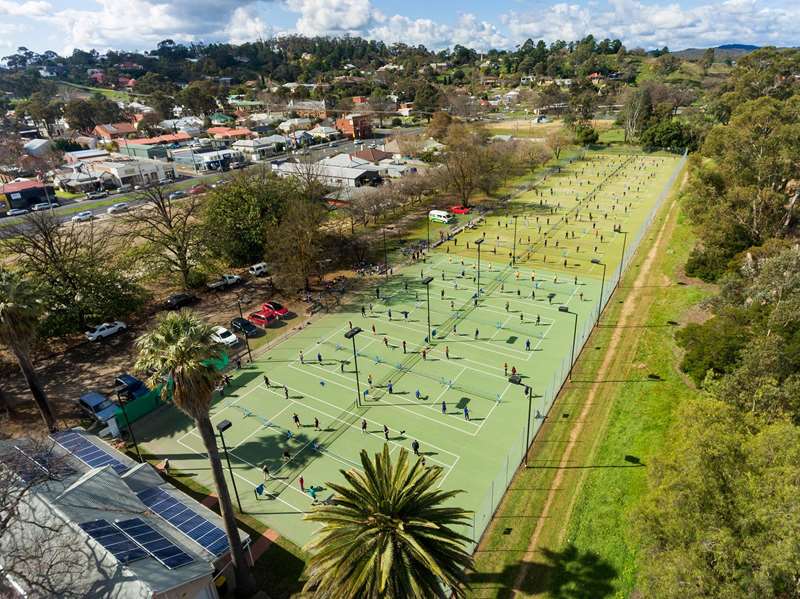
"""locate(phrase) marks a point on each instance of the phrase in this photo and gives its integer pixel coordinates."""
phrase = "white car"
(224, 336)
(117, 208)
(17, 212)
(107, 329)
(82, 217)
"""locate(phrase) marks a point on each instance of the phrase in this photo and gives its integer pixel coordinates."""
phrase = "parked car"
(224, 336)
(17, 212)
(98, 406)
(125, 188)
(83, 217)
(259, 270)
(199, 188)
(224, 281)
(44, 206)
(460, 209)
(262, 318)
(279, 310)
(118, 208)
(129, 385)
(179, 300)
(96, 195)
(107, 329)
(177, 194)
(244, 326)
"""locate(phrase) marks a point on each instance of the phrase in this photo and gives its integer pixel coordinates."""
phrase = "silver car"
(83, 217)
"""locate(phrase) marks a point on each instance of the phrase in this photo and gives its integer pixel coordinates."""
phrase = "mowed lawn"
(587, 546)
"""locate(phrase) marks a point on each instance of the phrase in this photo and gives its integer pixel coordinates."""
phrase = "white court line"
(227, 405)
(486, 418)
(447, 388)
(260, 428)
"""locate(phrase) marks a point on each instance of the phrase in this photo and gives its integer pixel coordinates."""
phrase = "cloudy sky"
(62, 25)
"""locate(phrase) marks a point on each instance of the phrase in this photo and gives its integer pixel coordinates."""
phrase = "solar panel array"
(160, 547)
(89, 453)
(186, 520)
(115, 541)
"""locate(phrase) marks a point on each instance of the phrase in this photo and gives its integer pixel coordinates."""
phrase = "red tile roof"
(372, 155)
(160, 139)
(21, 185)
(229, 132)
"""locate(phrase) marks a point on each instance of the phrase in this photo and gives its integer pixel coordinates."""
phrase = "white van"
(441, 216)
(259, 270)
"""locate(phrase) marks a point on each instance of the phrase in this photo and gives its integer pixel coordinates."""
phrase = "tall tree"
(386, 534)
(20, 312)
(180, 349)
(295, 242)
(556, 141)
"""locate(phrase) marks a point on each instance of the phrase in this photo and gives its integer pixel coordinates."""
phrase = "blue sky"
(62, 25)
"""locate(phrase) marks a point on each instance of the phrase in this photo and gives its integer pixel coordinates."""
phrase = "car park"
(262, 318)
(279, 310)
(17, 212)
(107, 329)
(44, 206)
(118, 208)
(83, 217)
(128, 385)
(179, 300)
(223, 336)
(259, 270)
(98, 406)
(244, 326)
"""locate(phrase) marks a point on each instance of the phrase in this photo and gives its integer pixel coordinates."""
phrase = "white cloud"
(331, 17)
(468, 31)
(247, 25)
(31, 8)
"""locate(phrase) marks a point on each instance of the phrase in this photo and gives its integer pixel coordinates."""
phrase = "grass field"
(562, 224)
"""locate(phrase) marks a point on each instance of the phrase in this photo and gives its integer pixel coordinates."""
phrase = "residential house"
(406, 108)
(219, 119)
(355, 126)
(230, 133)
(596, 78)
(360, 100)
(294, 125)
(299, 138)
(114, 526)
(324, 133)
(180, 138)
(260, 148)
(372, 155)
(24, 193)
(308, 108)
(113, 131)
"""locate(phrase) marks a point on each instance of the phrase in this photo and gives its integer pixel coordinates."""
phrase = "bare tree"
(309, 174)
(167, 233)
(556, 141)
(461, 170)
(295, 242)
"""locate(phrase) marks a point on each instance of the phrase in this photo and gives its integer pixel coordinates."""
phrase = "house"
(355, 126)
(179, 138)
(335, 176)
(230, 132)
(114, 130)
(24, 193)
(596, 78)
(221, 119)
(260, 148)
(308, 108)
(405, 108)
(38, 147)
(294, 125)
(97, 77)
(115, 526)
(372, 155)
(324, 133)
(360, 99)
(299, 138)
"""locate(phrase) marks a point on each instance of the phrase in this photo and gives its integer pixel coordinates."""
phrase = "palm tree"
(19, 320)
(180, 349)
(387, 535)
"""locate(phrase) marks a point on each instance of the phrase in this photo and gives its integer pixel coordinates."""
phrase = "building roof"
(35, 145)
(372, 155)
(85, 155)
(229, 131)
(323, 170)
(68, 493)
(17, 186)
(160, 139)
(111, 129)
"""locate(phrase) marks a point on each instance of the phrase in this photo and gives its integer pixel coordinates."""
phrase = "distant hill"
(721, 52)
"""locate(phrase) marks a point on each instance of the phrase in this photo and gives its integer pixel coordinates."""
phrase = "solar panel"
(45, 463)
(157, 544)
(89, 453)
(114, 540)
(193, 525)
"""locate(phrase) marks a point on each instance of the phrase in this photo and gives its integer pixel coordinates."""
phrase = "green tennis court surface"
(515, 324)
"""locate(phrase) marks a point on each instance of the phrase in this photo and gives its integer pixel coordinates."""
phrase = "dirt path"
(629, 309)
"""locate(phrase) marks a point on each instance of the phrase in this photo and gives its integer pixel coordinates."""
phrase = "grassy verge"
(584, 548)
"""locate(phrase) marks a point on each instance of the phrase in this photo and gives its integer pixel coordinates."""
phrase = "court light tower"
(622, 257)
(602, 283)
(528, 434)
(246, 339)
(351, 334)
(478, 242)
(385, 258)
(514, 251)
(128, 424)
(222, 427)
(428, 247)
(565, 310)
(427, 282)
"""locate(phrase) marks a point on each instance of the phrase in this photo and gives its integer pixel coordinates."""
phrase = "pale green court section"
(516, 323)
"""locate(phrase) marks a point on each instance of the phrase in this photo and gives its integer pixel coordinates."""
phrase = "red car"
(278, 309)
(262, 318)
(199, 188)
(460, 209)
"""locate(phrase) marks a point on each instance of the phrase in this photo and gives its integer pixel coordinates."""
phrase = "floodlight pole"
(222, 427)
(128, 424)
(514, 251)
(351, 334)
(428, 247)
(622, 258)
(602, 283)
(565, 310)
(385, 258)
(478, 295)
(528, 434)
(427, 282)
(246, 340)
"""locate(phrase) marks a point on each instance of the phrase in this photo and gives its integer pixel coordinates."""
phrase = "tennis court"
(451, 393)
